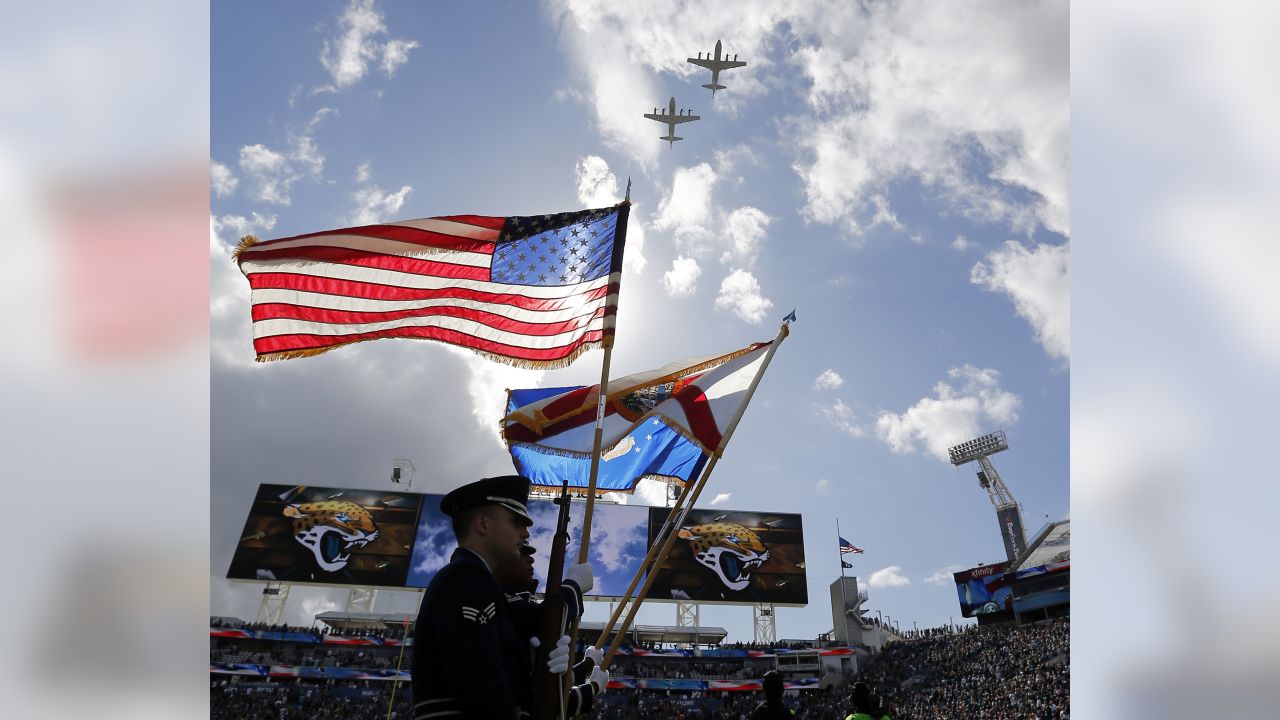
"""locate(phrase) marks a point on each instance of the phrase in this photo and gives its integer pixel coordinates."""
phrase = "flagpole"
(607, 342)
(584, 542)
(843, 596)
(783, 331)
(668, 526)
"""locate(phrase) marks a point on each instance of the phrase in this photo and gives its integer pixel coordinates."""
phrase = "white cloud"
(230, 337)
(822, 486)
(682, 279)
(239, 225)
(893, 96)
(272, 174)
(651, 492)
(841, 417)
(888, 577)
(348, 55)
(686, 211)
(372, 205)
(960, 244)
(944, 576)
(396, 53)
(744, 228)
(956, 413)
(721, 498)
(740, 292)
(1039, 284)
(363, 172)
(828, 380)
(598, 187)
(487, 386)
(222, 180)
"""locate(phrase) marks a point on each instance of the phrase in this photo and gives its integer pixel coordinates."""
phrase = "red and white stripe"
(426, 279)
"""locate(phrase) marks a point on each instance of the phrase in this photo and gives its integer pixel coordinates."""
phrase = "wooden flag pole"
(783, 331)
(584, 542)
(668, 526)
(607, 341)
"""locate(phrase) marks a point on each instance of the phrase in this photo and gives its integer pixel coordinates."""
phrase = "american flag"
(534, 291)
(848, 547)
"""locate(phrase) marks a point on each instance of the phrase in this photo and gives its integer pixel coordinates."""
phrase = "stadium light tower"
(1008, 513)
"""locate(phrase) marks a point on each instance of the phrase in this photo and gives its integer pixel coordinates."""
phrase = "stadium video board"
(984, 589)
(337, 536)
(619, 541)
(327, 535)
(729, 556)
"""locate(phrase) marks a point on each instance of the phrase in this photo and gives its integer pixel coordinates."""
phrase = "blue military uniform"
(468, 659)
(526, 613)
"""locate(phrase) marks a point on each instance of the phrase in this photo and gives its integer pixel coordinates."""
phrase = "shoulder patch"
(480, 617)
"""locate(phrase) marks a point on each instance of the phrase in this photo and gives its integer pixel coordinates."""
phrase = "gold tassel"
(246, 242)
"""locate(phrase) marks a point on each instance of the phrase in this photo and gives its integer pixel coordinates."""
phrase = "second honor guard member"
(589, 678)
(468, 657)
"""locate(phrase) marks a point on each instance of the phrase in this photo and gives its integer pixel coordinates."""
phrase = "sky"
(896, 172)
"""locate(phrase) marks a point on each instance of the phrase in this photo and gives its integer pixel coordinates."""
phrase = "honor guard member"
(589, 678)
(468, 659)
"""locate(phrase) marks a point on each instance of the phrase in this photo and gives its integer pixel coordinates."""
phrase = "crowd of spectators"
(307, 656)
(294, 702)
(390, 632)
(997, 672)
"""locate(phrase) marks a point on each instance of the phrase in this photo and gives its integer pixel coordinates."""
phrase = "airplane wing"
(681, 118)
(662, 117)
(717, 64)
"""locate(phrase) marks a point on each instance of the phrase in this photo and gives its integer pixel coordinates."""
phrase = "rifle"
(548, 690)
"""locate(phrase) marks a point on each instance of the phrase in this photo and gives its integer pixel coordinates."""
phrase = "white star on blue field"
(897, 173)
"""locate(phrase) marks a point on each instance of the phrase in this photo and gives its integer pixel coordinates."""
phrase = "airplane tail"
(714, 86)
(670, 138)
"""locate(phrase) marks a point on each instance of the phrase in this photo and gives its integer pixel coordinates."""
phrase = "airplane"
(672, 118)
(715, 65)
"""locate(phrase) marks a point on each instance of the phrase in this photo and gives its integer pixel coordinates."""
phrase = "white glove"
(600, 678)
(581, 573)
(596, 654)
(558, 658)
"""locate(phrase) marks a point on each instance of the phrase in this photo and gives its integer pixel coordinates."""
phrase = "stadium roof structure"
(1052, 545)
(670, 634)
(363, 621)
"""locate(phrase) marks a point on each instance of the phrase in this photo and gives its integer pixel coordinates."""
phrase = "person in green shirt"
(865, 705)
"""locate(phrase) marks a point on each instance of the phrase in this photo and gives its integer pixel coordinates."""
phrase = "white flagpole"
(783, 331)
(844, 610)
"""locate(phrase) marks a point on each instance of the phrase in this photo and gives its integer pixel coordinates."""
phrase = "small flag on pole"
(848, 547)
(662, 423)
(847, 565)
(533, 291)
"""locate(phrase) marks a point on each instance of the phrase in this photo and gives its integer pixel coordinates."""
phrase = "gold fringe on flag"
(514, 362)
(247, 241)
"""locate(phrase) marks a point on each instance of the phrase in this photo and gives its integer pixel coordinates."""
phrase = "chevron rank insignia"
(480, 617)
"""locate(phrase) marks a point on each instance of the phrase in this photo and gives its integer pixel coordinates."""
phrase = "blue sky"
(898, 176)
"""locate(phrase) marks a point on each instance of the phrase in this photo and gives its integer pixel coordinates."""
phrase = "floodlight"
(979, 447)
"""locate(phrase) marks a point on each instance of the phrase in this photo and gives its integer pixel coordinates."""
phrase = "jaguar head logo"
(331, 530)
(730, 550)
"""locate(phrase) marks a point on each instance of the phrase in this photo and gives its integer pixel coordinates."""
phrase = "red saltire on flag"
(533, 291)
